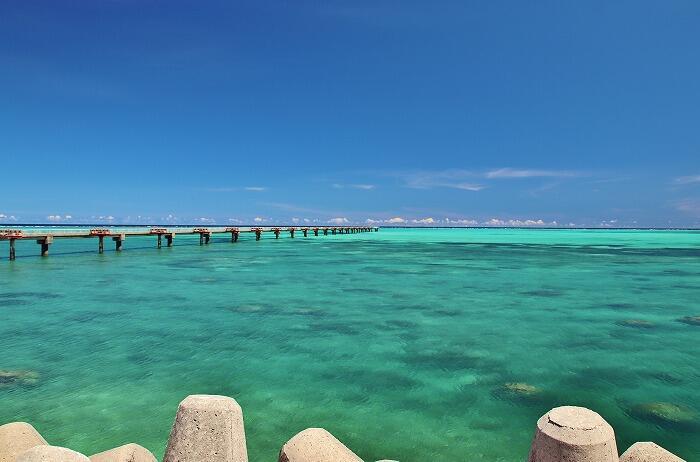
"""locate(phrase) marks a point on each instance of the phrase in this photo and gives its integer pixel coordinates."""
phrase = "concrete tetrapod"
(17, 437)
(207, 428)
(128, 453)
(316, 445)
(51, 454)
(648, 452)
(573, 434)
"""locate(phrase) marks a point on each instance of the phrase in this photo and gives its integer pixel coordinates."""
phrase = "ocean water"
(414, 345)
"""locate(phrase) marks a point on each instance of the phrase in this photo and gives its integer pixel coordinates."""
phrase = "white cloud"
(395, 220)
(461, 222)
(295, 220)
(518, 223)
(206, 220)
(524, 173)
(688, 179)
(338, 220)
(54, 218)
(68, 217)
(2, 216)
(424, 221)
(255, 188)
(258, 219)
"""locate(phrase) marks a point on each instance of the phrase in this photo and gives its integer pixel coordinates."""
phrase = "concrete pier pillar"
(258, 234)
(234, 236)
(207, 428)
(45, 242)
(118, 241)
(160, 240)
(51, 454)
(17, 437)
(207, 237)
(315, 231)
(128, 453)
(333, 231)
(169, 239)
(573, 434)
(201, 238)
(291, 232)
(316, 445)
(12, 249)
(648, 452)
(101, 243)
(305, 231)
(277, 233)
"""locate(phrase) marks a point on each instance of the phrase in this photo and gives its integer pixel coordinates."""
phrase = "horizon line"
(349, 225)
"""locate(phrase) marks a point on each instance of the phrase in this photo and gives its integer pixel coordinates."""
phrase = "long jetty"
(45, 239)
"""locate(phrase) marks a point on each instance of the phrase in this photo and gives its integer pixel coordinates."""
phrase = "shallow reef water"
(407, 344)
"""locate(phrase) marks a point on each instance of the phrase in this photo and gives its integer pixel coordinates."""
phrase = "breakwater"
(210, 428)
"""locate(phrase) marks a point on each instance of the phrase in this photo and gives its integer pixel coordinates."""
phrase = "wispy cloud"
(687, 179)
(468, 180)
(365, 187)
(224, 189)
(338, 220)
(527, 173)
(689, 206)
(452, 178)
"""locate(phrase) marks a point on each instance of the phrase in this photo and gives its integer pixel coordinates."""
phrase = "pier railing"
(45, 238)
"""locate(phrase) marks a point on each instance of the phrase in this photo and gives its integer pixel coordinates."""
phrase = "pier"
(46, 239)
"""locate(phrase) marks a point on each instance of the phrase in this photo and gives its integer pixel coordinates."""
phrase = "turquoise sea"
(407, 344)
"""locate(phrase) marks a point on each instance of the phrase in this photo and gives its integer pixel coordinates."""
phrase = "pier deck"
(45, 238)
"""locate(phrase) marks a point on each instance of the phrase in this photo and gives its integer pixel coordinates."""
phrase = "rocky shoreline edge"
(209, 428)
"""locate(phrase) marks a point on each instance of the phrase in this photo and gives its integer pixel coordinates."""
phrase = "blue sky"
(440, 112)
